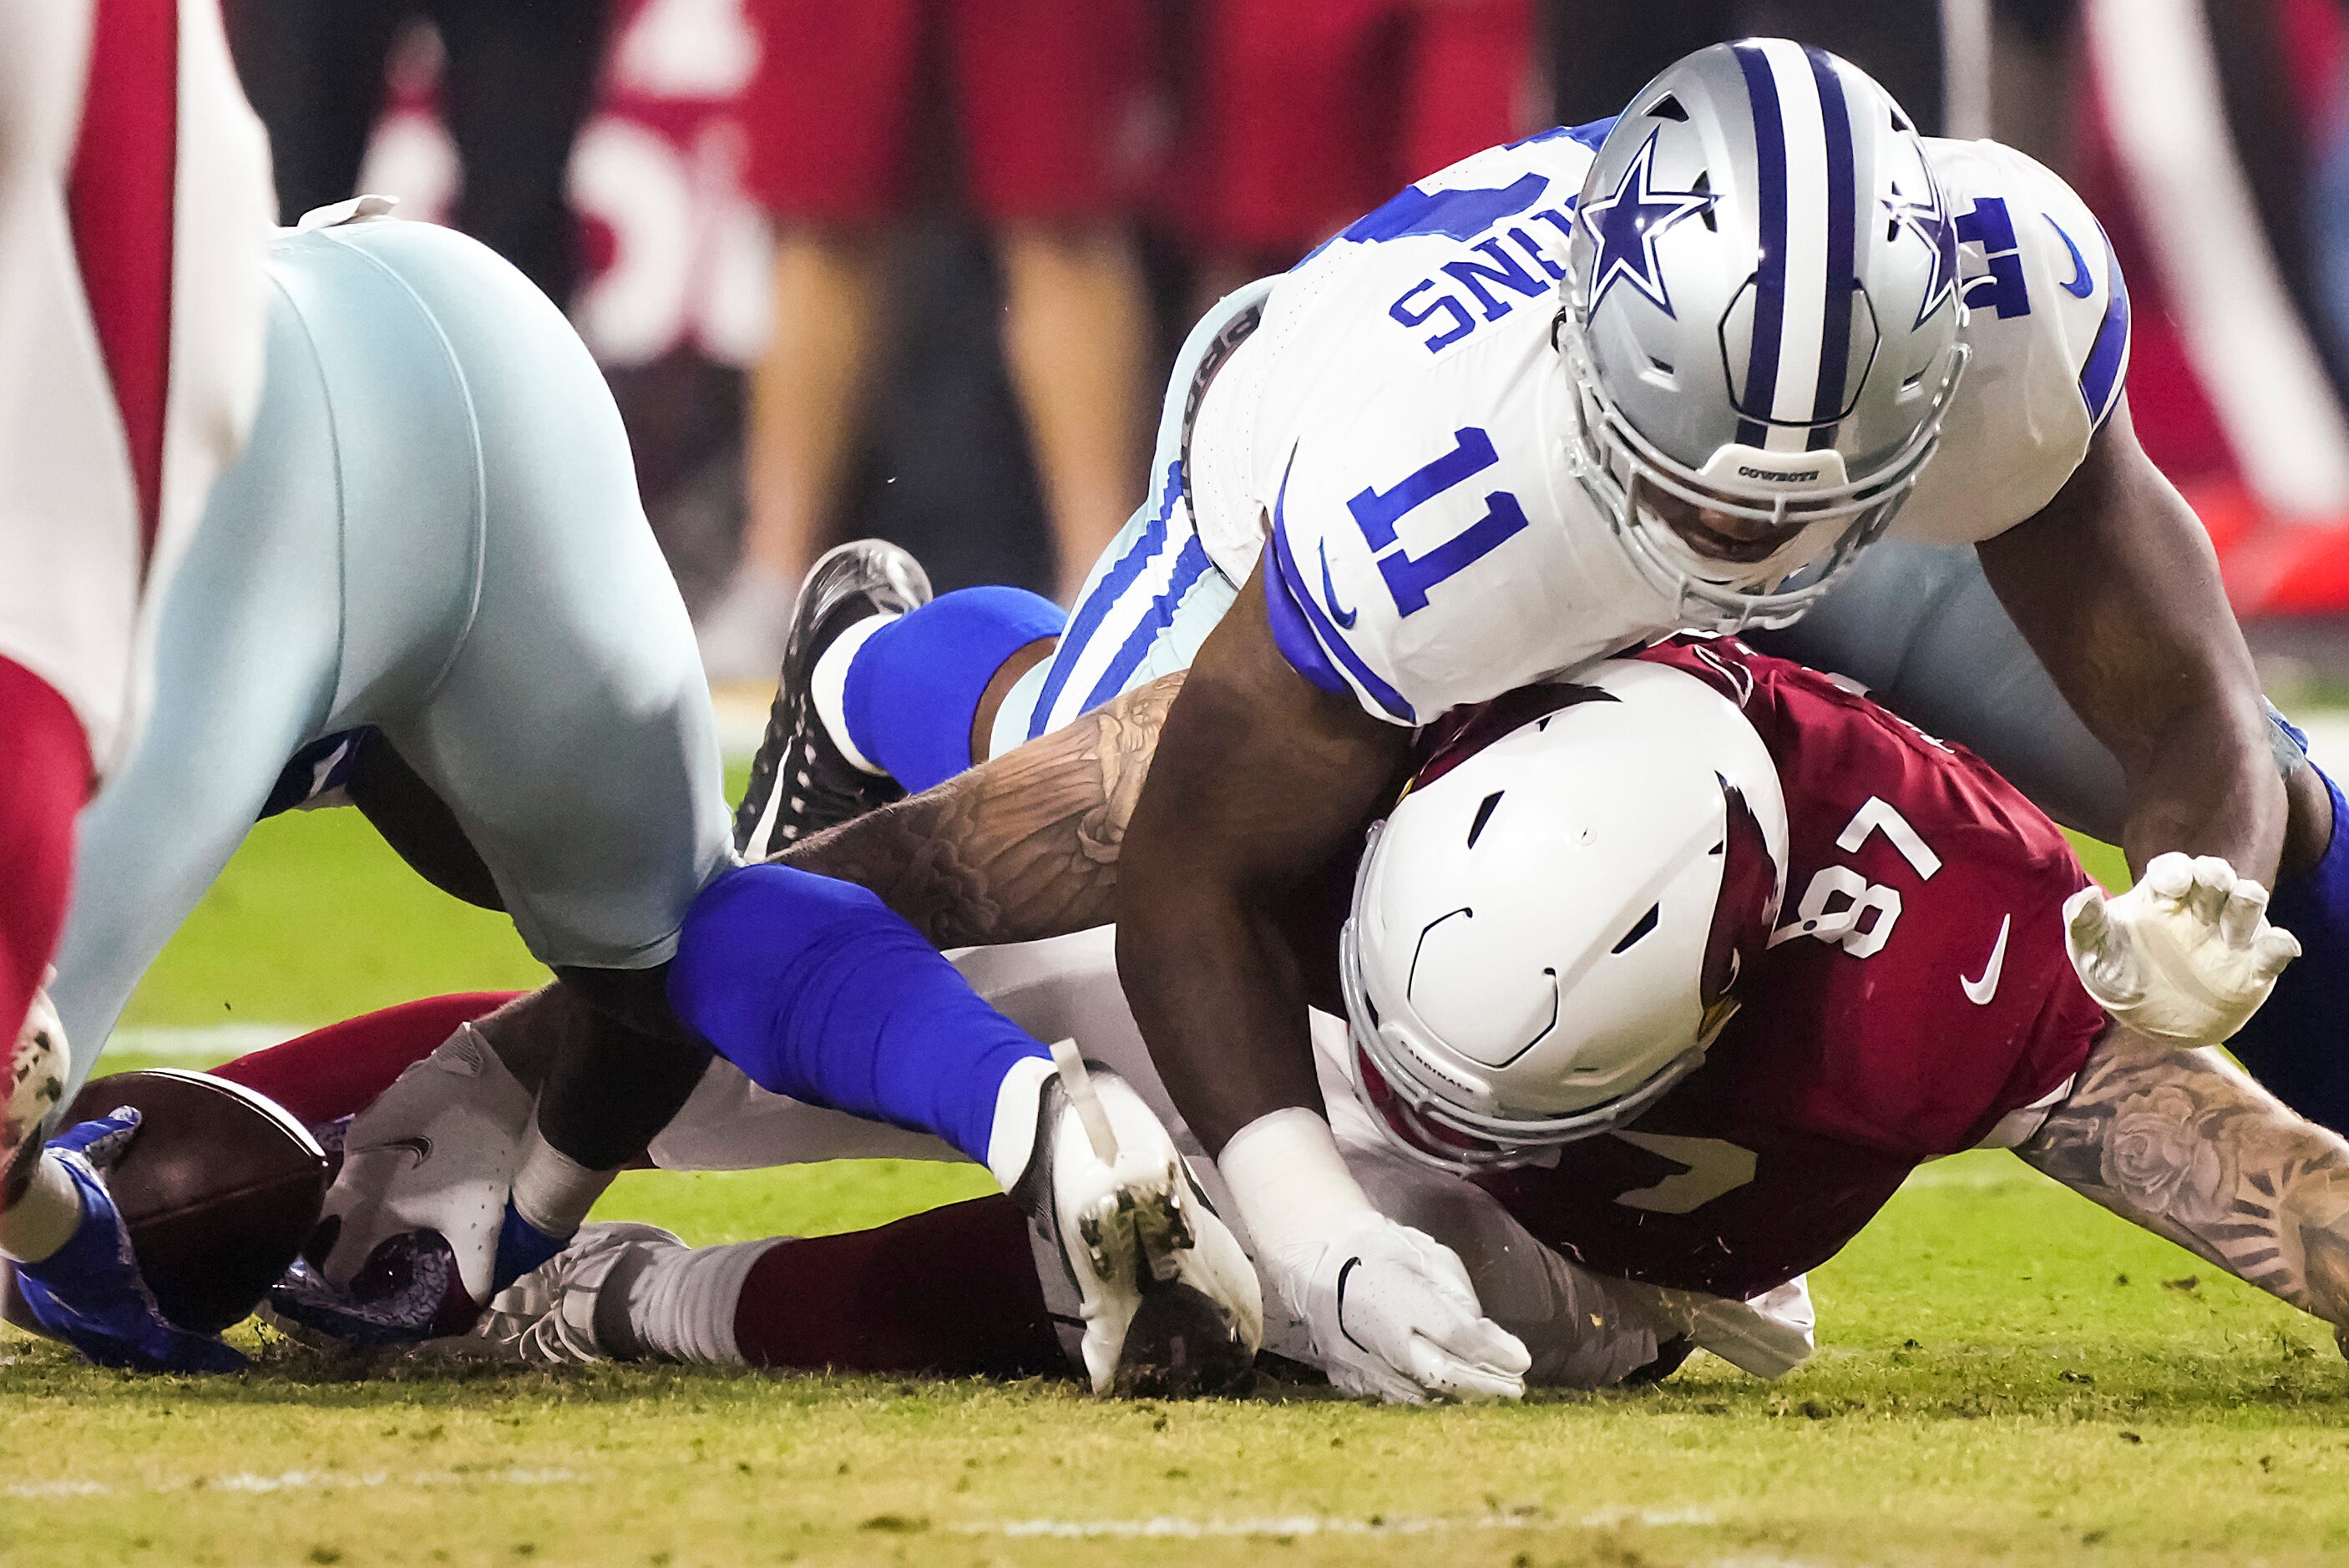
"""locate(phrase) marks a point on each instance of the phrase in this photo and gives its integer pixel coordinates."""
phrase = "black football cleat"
(801, 783)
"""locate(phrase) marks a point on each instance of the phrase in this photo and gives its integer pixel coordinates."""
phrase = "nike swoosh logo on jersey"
(2082, 285)
(1344, 617)
(420, 1147)
(1979, 992)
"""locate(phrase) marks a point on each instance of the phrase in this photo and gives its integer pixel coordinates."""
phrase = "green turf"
(2006, 1374)
(315, 920)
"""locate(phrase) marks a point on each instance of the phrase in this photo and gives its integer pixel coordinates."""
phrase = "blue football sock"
(2295, 1043)
(817, 991)
(522, 1247)
(913, 688)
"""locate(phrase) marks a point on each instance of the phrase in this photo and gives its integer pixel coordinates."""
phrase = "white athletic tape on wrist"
(44, 1218)
(1287, 1177)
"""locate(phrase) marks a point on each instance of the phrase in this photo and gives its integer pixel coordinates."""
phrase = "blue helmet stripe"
(1770, 287)
(1843, 281)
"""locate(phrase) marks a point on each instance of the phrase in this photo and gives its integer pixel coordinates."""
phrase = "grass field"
(2006, 1374)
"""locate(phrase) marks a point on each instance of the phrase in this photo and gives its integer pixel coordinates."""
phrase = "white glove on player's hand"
(1392, 1313)
(2185, 956)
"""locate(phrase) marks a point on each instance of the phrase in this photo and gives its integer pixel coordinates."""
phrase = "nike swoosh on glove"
(89, 1292)
(1393, 1314)
(2186, 956)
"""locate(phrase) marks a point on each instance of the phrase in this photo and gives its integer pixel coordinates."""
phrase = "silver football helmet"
(1761, 322)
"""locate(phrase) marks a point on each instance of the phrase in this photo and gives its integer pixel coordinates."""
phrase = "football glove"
(1393, 1314)
(2186, 956)
(1390, 1311)
(89, 1292)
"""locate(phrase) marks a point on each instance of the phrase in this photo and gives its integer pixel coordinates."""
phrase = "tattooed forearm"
(1023, 847)
(2188, 1146)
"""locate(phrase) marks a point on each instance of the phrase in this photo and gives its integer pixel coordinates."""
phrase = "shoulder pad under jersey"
(2047, 318)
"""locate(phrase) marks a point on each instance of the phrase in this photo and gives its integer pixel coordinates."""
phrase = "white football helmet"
(1761, 324)
(1548, 929)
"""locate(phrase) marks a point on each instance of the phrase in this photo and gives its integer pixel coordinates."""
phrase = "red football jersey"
(1915, 992)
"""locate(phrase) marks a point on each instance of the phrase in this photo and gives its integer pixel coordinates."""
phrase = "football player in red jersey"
(134, 205)
(1688, 1087)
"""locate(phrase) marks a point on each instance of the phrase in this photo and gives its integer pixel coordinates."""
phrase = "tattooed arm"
(1025, 846)
(2188, 1146)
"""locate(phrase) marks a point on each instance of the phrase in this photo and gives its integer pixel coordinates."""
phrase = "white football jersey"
(1394, 429)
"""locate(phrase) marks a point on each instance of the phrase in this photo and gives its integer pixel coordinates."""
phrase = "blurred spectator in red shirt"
(1043, 95)
(1309, 113)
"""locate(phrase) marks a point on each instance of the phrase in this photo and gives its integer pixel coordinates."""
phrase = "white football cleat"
(37, 1068)
(1170, 1302)
(547, 1317)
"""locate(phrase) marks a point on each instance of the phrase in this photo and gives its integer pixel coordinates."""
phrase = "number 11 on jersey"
(1376, 512)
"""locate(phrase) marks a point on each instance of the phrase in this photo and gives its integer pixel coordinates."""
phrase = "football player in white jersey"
(1680, 370)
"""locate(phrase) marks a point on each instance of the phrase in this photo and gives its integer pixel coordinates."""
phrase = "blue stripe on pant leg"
(1105, 596)
(1190, 565)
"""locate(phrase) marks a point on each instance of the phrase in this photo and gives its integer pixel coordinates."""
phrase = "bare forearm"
(1217, 993)
(1260, 781)
(1016, 849)
(2185, 1144)
(2116, 587)
(2210, 787)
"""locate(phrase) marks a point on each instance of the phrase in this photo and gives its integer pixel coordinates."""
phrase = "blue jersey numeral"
(2004, 290)
(1376, 512)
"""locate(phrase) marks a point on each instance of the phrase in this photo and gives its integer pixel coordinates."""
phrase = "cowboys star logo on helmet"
(1626, 225)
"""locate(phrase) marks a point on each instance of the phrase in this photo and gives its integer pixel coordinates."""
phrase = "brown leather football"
(220, 1188)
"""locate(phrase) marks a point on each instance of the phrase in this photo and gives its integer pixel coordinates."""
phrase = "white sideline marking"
(205, 1042)
(297, 1480)
(1176, 1527)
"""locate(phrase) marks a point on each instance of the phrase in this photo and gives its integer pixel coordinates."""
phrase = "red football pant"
(45, 776)
(952, 1292)
(339, 1070)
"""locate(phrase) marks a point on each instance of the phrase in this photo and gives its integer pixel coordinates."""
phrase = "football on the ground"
(220, 1188)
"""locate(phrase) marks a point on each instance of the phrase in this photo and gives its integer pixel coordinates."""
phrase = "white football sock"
(1011, 1140)
(45, 1219)
(681, 1304)
(553, 1190)
(828, 687)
